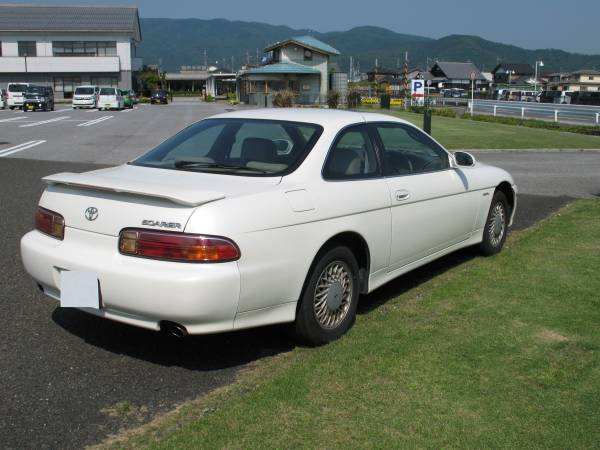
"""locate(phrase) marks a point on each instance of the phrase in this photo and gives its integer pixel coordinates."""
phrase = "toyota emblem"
(91, 213)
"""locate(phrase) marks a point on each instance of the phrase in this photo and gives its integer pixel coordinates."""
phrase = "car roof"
(319, 116)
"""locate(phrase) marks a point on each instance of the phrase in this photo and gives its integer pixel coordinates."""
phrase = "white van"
(15, 94)
(85, 97)
(110, 98)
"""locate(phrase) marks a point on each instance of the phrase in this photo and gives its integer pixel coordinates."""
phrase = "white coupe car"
(259, 217)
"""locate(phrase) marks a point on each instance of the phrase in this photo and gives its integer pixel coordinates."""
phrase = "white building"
(65, 46)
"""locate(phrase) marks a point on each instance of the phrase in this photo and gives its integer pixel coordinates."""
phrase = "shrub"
(333, 99)
(353, 99)
(444, 112)
(209, 98)
(284, 98)
(232, 98)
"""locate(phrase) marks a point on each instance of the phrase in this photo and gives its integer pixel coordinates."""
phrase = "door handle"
(402, 195)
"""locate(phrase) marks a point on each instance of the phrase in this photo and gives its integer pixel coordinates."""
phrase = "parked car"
(15, 94)
(585, 98)
(133, 96)
(3, 101)
(110, 98)
(223, 226)
(38, 97)
(127, 100)
(86, 97)
(159, 96)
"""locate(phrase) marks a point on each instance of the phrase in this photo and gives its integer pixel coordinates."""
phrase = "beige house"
(581, 80)
(299, 64)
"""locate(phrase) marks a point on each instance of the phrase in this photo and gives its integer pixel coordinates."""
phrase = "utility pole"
(205, 61)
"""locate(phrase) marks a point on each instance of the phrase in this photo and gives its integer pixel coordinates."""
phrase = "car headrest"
(259, 149)
(345, 161)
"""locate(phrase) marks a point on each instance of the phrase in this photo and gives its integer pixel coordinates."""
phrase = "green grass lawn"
(500, 352)
(466, 134)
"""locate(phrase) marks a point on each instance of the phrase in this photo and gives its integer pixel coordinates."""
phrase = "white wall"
(44, 45)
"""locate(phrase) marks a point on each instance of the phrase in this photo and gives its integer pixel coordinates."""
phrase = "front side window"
(27, 48)
(408, 151)
(352, 156)
(247, 147)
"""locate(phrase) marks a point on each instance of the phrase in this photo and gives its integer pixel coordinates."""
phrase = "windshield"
(247, 147)
(35, 90)
(107, 91)
(17, 87)
(84, 91)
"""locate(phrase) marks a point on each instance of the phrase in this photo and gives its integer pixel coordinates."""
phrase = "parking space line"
(19, 148)
(89, 123)
(62, 110)
(42, 122)
(12, 119)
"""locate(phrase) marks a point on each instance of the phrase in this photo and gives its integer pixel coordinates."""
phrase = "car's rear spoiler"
(100, 182)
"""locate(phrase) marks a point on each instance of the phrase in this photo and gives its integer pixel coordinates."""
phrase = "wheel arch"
(357, 245)
(506, 188)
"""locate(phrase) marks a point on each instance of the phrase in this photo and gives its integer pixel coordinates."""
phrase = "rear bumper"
(14, 101)
(84, 103)
(141, 292)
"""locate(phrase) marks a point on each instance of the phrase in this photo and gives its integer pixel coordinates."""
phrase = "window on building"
(66, 85)
(591, 78)
(27, 48)
(84, 48)
(276, 55)
(307, 55)
(104, 81)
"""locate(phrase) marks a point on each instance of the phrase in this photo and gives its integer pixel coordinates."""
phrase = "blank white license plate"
(79, 289)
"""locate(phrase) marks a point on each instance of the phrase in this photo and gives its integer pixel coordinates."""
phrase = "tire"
(327, 307)
(496, 225)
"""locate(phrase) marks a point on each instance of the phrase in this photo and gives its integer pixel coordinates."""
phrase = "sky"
(534, 24)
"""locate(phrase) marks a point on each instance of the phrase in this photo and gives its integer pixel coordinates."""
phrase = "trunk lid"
(108, 200)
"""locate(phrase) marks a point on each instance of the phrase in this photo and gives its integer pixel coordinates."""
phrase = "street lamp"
(541, 64)
(510, 73)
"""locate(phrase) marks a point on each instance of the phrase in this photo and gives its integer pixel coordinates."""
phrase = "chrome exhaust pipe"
(173, 329)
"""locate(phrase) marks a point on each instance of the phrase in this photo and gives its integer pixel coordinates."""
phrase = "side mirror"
(464, 159)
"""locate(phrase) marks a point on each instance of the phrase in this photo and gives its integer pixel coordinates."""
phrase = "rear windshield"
(17, 88)
(159, 93)
(247, 147)
(84, 91)
(107, 91)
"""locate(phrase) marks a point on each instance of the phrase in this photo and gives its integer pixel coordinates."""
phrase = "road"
(69, 379)
(103, 137)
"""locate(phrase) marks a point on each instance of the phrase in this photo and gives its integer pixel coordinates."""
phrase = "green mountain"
(176, 42)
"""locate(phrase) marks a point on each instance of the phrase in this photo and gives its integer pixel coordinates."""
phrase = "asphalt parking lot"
(69, 379)
(88, 135)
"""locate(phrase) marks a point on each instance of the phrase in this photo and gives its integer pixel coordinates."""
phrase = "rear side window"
(408, 151)
(352, 156)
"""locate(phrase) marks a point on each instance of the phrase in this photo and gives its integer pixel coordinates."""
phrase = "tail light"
(50, 223)
(180, 247)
